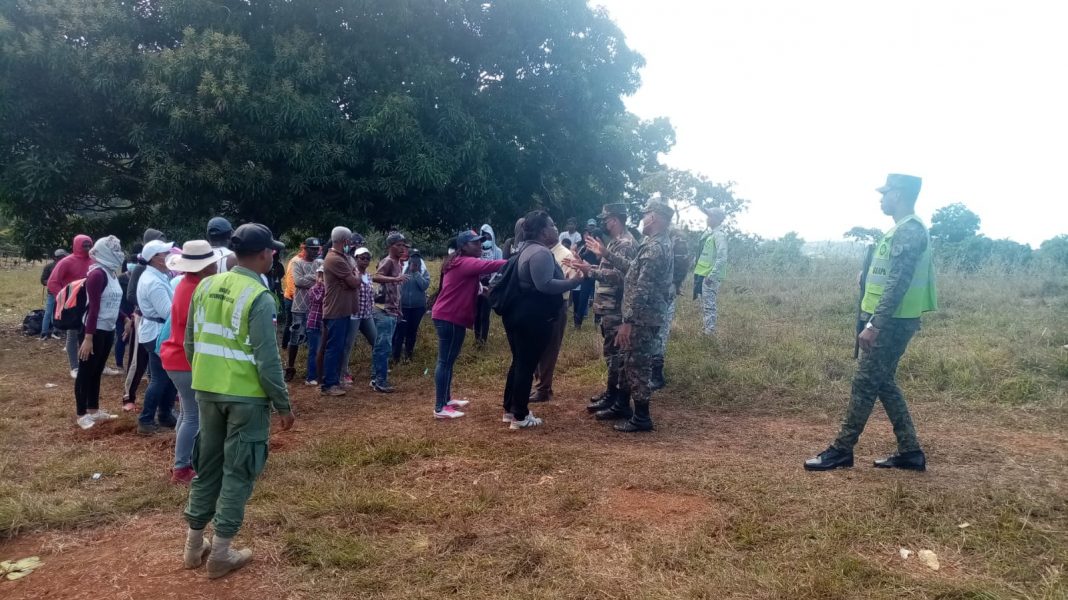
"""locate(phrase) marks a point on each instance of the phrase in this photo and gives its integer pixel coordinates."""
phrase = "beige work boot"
(196, 548)
(224, 560)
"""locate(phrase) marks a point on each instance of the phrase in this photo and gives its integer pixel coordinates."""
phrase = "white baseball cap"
(155, 247)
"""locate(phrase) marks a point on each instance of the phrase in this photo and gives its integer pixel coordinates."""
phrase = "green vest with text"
(222, 361)
(921, 296)
(707, 260)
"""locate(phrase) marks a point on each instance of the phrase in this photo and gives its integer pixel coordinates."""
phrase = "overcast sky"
(808, 105)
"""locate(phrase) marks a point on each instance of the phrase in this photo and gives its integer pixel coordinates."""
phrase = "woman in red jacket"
(197, 261)
(454, 314)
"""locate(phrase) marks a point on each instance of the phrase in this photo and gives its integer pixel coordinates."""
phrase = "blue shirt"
(154, 294)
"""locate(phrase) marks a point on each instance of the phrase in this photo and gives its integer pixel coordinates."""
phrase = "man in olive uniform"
(608, 304)
(900, 287)
(230, 342)
(646, 296)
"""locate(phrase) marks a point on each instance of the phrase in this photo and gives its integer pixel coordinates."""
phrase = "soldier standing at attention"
(614, 402)
(237, 375)
(680, 253)
(646, 296)
(900, 287)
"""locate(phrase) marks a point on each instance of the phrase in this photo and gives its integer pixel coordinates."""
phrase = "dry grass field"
(369, 497)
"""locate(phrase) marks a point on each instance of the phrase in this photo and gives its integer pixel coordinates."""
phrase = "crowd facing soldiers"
(202, 320)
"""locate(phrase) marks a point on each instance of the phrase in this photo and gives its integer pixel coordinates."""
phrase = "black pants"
(87, 384)
(137, 360)
(698, 284)
(407, 331)
(528, 336)
(482, 319)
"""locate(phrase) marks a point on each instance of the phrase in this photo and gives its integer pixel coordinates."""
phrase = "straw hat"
(195, 257)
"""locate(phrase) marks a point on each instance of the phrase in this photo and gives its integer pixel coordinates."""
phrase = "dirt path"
(626, 478)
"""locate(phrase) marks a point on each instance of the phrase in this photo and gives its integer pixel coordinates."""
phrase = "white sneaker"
(508, 418)
(311, 382)
(458, 403)
(102, 415)
(86, 421)
(448, 413)
(74, 373)
(530, 421)
(111, 371)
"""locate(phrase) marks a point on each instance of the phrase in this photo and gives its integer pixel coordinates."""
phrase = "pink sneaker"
(458, 402)
(448, 413)
(182, 476)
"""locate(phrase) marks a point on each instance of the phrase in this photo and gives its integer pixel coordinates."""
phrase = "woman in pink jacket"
(454, 314)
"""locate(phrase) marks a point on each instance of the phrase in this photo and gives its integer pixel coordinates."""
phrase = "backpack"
(31, 325)
(504, 286)
(71, 303)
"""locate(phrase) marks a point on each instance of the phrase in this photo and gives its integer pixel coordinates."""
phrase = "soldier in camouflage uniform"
(680, 251)
(646, 296)
(899, 288)
(608, 302)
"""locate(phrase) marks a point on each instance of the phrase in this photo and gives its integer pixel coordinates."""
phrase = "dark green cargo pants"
(230, 453)
(875, 379)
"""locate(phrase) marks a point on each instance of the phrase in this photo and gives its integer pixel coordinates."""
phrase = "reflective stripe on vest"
(223, 361)
(921, 295)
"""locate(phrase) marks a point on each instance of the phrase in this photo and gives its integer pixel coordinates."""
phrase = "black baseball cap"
(254, 237)
(218, 226)
(313, 242)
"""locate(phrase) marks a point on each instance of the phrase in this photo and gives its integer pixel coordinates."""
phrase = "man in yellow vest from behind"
(231, 343)
(900, 287)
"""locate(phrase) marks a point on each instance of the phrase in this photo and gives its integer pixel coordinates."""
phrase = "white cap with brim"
(360, 251)
(155, 247)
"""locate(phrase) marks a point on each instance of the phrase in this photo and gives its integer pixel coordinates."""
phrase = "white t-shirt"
(576, 238)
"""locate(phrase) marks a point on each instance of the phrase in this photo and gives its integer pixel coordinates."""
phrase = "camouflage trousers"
(613, 357)
(665, 331)
(875, 380)
(638, 361)
(709, 295)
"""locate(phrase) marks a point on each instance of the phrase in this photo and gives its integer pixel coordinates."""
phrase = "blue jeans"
(49, 308)
(189, 424)
(336, 332)
(384, 325)
(313, 352)
(450, 341)
(159, 397)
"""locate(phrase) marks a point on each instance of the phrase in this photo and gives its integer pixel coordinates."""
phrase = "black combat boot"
(619, 410)
(602, 401)
(656, 381)
(639, 421)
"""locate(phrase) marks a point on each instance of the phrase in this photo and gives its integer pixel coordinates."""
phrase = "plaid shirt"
(315, 305)
(366, 305)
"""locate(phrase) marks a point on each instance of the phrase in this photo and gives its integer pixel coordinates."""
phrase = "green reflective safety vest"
(921, 296)
(222, 354)
(707, 260)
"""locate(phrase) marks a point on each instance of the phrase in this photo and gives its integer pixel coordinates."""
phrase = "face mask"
(130, 266)
(346, 249)
(451, 252)
(486, 245)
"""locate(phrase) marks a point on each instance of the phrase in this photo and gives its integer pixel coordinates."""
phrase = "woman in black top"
(542, 285)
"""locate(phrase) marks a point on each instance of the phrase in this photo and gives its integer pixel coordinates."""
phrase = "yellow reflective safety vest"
(222, 360)
(921, 296)
(707, 259)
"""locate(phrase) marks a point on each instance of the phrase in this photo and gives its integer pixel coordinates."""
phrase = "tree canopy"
(412, 113)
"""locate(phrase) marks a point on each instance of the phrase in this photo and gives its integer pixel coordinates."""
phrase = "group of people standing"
(205, 320)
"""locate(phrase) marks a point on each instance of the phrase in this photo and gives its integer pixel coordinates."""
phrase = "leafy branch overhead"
(387, 112)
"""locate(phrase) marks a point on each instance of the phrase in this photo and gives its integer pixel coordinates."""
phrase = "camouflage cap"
(896, 181)
(617, 209)
(660, 207)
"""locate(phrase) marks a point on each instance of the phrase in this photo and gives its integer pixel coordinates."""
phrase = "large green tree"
(412, 113)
